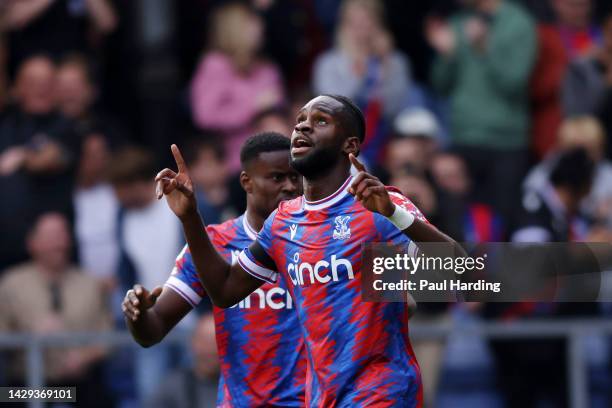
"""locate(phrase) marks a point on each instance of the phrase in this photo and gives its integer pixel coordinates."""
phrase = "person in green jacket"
(485, 55)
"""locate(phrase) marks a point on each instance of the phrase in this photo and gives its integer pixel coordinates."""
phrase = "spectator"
(365, 66)
(96, 210)
(76, 94)
(587, 88)
(53, 26)
(232, 82)
(525, 367)
(48, 295)
(587, 133)
(149, 239)
(208, 170)
(485, 56)
(417, 139)
(196, 386)
(579, 36)
(37, 157)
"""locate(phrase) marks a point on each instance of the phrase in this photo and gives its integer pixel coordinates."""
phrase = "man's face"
(75, 93)
(318, 138)
(272, 180)
(34, 87)
(50, 242)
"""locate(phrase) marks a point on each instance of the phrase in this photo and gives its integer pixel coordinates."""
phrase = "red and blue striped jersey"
(359, 353)
(260, 343)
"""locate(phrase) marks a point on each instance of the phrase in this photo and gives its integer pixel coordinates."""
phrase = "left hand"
(370, 191)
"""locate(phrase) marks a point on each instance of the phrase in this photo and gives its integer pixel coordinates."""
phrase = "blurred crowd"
(493, 116)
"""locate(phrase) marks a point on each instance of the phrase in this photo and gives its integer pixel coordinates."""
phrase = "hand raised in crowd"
(138, 300)
(370, 191)
(440, 36)
(177, 187)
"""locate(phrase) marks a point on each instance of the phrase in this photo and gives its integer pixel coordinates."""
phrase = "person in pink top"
(232, 83)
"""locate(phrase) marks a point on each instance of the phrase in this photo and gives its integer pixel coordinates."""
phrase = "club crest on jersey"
(293, 230)
(342, 230)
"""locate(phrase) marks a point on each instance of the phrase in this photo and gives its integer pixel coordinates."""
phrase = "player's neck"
(254, 220)
(326, 185)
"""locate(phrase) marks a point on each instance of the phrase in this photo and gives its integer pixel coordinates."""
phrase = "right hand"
(138, 300)
(177, 187)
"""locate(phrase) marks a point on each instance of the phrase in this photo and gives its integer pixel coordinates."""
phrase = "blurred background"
(493, 116)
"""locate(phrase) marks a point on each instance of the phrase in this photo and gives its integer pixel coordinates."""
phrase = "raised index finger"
(178, 158)
(358, 165)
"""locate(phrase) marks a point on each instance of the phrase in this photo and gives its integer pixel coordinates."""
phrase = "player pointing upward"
(359, 354)
(260, 343)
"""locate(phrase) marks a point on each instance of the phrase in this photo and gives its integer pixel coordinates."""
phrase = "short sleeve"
(184, 279)
(258, 259)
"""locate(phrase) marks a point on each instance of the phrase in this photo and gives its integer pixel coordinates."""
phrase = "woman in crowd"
(232, 82)
(365, 66)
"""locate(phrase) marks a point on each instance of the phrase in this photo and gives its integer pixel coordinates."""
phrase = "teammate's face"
(270, 180)
(318, 138)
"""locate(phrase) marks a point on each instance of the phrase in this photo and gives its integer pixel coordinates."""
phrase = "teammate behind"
(260, 344)
(359, 353)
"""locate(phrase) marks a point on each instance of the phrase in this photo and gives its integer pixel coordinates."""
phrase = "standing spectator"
(77, 92)
(579, 35)
(96, 210)
(49, 295)
(195, 386)
(149, 239)
(485, 56)
(37, 157)
(54, 26)
(232, 82)
(533, 372)
(365, 66)
(587, 89)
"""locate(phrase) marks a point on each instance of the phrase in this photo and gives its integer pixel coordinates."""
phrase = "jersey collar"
(329, 200)
(250, 231)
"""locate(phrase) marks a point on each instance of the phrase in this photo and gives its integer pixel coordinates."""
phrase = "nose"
(303, 127)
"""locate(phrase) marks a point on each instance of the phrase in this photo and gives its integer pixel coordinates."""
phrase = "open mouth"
(300, 145)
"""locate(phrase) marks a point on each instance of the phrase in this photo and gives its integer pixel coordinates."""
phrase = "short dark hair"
(573, 169)
(132, 164)
(356, 117)
(262, 143)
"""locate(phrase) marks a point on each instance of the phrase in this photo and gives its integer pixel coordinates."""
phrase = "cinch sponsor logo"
(275, 298)
(305, 273)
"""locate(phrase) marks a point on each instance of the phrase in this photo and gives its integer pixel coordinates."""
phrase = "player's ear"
(351, 145)
(246, 182)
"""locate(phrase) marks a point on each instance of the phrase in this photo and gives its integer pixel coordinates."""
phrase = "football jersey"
(359, 353)
(260, 343)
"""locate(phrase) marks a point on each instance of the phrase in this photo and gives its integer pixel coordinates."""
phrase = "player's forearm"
(147, 330)
(213, 270)
(422, 232)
